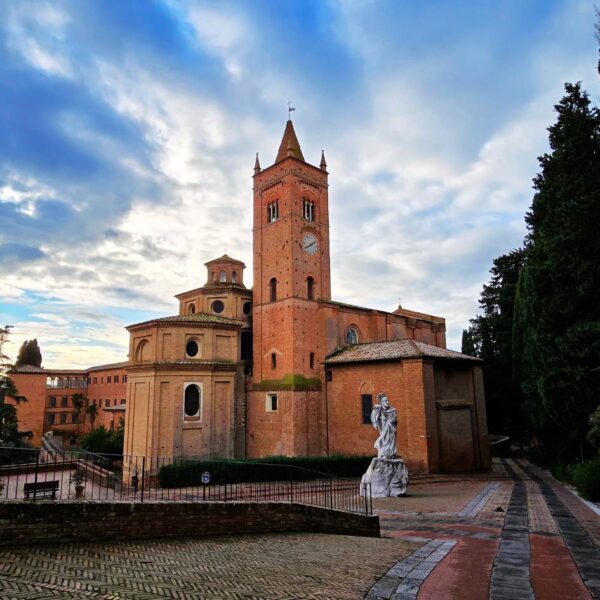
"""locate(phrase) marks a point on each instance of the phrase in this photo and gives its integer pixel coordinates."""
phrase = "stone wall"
(24, 523)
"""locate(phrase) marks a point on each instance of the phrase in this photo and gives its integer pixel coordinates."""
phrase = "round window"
(191, 348)
(218, 306)
(247, 308)
(192, 401)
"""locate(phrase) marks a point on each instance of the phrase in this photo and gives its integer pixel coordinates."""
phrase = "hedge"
(586, 477)
(273, 468)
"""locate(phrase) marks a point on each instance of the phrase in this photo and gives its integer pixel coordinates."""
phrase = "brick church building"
(282, 368)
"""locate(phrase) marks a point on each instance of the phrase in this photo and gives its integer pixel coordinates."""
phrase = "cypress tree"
(557, 318)
(490, 336)
(29, 354)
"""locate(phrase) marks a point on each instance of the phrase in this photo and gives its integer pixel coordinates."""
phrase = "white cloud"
(420, 204)
(37, 32)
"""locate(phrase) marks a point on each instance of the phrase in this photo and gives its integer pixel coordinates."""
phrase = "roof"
(198, 317)
(28, 369)
(117, 365)
(211, 288)
(224, 258)
(289, 144)
(397, 313)
(32, 369)
(393, 350)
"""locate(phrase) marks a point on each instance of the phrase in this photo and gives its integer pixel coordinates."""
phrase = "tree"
(9, 426)
(78, 403)
(489, 337)
(468, 343)
(29, 354)
(92, 413)
(557, 314)
(105, 441)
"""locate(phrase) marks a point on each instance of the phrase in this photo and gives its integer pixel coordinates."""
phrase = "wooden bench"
(41, 489)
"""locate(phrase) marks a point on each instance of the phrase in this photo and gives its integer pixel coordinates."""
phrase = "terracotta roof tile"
(28, 369)
(392, 350)
(117, 365)
(198, 317)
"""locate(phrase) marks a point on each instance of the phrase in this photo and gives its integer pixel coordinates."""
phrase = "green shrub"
(273, 468)
(586, 477)
(104, 441)
(563, 472)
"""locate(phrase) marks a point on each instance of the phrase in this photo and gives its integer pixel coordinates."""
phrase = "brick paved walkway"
(288, 566)
(515, 533)
(518, 535)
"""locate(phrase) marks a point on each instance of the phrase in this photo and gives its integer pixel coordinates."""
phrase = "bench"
(41, 489)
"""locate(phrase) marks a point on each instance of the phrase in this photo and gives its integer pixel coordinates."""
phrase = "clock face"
(309, 243)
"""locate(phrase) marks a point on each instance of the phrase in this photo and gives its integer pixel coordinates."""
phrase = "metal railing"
(31, 474)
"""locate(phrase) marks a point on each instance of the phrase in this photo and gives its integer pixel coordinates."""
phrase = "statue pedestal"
(387, 476)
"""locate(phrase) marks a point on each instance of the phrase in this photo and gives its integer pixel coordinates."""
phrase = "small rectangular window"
(116, 379)
(271, 403)
(102, 379)
(63, 418)
(95, 380)
(367, 407)
(52, 401)
(74, 418)
(64, 401)
(107, 402)
(124, 378)
(123, 401)
(108, 379)
(329, 375)
(51, 419)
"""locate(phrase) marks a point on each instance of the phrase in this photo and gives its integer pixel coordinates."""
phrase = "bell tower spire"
(290, 146)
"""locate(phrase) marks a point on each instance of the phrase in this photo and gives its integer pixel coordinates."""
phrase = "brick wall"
(24, 523)
(31, 413)
(106, 393)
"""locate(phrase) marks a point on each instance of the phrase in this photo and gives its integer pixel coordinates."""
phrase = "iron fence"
(54, 475)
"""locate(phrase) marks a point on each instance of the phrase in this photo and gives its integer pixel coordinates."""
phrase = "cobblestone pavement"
(512, 534)
(286, 566)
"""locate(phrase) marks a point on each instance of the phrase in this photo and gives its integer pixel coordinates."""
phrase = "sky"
(128, 132)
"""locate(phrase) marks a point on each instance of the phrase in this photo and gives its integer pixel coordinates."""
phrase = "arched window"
(234, 277)
(142, 353)
(311, 360)
(351, 335)
(273, 360)
(247, 308)
(222, 277)
(273, 289)
(191, 400)
(191, 309)
(310, 284)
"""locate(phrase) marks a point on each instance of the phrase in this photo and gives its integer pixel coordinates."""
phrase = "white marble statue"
(385, 420)
(387, 474)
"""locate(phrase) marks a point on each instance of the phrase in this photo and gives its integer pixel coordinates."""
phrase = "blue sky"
(128, 131)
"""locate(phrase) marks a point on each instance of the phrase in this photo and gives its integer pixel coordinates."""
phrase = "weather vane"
(290, 110)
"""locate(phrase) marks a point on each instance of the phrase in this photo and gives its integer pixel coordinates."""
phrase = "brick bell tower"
(286, 412)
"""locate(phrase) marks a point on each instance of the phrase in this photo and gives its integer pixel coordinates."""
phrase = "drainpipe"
(326, 413)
